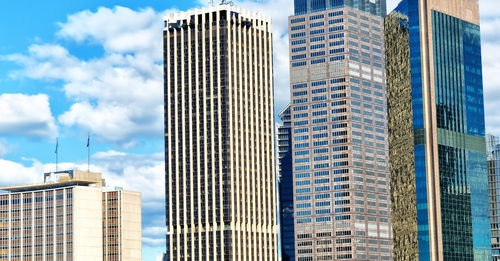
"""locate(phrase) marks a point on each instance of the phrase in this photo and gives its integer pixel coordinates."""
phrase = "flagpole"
(88, 151)
(57, 154)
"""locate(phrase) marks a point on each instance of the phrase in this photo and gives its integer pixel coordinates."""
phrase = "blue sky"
(68, 68)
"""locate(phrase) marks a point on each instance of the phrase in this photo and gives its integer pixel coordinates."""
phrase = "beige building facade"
(219, 135)
(63, 219)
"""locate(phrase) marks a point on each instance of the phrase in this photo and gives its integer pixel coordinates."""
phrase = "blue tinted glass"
(377, 7)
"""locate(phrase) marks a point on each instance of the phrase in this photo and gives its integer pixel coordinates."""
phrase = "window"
(296, 35)
(297, 42)
(315, 17)
(298, 27)
(299, 86)
(298, 20)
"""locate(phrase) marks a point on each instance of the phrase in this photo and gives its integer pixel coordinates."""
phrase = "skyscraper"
(285, 168)
(436, 125)
(339, 131)
(374, 7)
(493, 150)
(219, 135)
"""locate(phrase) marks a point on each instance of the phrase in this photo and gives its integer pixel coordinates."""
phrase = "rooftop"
(61, 179)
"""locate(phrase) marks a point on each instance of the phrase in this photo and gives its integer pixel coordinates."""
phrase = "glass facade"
(493, 145)
(374, 7)
(339, 135)
(286, 185)
(457, 123)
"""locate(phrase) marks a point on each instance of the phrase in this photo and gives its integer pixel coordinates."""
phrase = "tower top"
(187, 15)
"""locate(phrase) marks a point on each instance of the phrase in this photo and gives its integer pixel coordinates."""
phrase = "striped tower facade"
(219, 135)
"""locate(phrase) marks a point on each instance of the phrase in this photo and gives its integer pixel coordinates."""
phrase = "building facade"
(374, 7)
(121, 218)
(437, 136)
(493, 150)
(339, 131)
(221, 199)
(62, 219)
(285, 169)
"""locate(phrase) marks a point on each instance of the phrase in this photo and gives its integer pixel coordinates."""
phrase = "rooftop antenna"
(57, 154)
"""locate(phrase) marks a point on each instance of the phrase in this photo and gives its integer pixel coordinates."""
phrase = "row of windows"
(315, 17)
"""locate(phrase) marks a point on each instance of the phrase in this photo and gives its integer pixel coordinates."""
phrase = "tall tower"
(339, 131)
(437, 132)
(219, 135)
(285, 168)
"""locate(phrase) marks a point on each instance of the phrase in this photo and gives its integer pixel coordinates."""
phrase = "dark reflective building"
(286, 185)
(437, 131)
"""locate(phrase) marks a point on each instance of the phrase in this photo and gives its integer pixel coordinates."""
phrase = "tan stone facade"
(62, 219)
(121, 218)
(219, 135)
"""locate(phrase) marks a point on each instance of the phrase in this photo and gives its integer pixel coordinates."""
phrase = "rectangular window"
(336, 28)
(322, 60)
(316, 24)
(318, 31)
(297, 42)
(302, 100)
(298, 27)
(296, 35)
(298, 49)
(298, 20)
(298, 64)
(299, 86)
(315, 17)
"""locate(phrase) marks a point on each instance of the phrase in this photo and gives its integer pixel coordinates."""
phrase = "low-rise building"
(69, 217)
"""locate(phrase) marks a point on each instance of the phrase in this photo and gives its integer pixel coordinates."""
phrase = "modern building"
(374, 7)
(62, 219)
(121, 224)
(437, 131)
(339, 131)
(221, 199)
(285, 170)
(493, 150)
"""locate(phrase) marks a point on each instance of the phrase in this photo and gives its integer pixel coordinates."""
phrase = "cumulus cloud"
(26, 115)
(489, 10)
(118, 30)
(14, 173)
(136, 172)
(118, 96)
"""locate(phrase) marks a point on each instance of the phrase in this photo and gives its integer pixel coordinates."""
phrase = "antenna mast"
(88, 151)
(57, 154)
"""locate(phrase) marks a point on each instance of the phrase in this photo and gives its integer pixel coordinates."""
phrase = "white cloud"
(13, 173)
(119, 30)
(391, 4)
(489, 8)
(491, 77)
(26, 115)
(118, 96)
